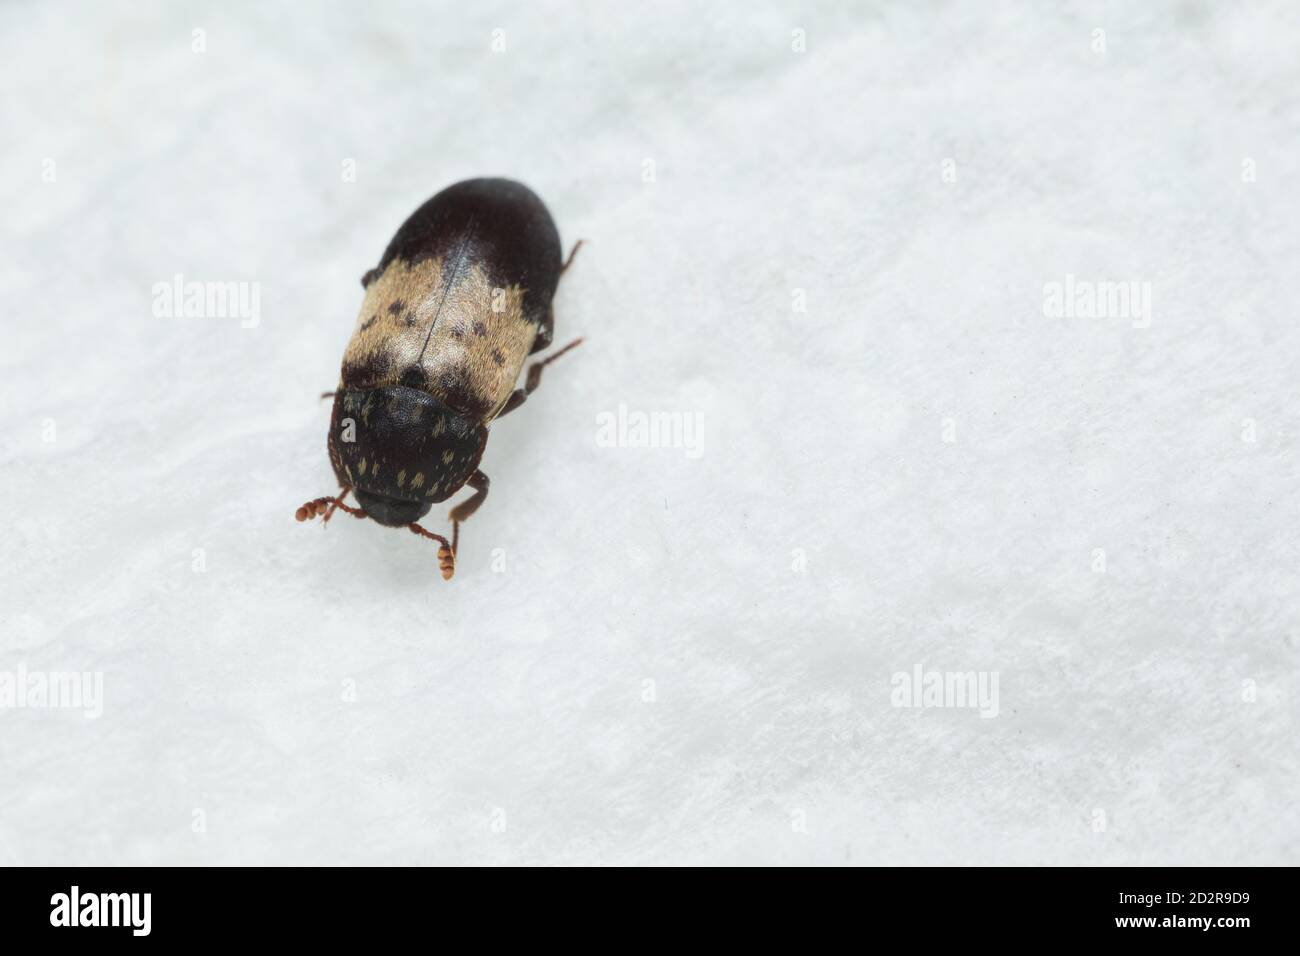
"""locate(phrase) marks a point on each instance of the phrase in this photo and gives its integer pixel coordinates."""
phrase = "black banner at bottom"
(338, 906)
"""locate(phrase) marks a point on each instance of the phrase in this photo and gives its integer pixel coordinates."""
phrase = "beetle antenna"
(325, 506)
(446, 553)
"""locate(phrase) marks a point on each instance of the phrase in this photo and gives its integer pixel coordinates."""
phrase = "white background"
(826, 538)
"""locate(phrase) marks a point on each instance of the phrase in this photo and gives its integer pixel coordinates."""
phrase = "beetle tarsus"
(446, 550)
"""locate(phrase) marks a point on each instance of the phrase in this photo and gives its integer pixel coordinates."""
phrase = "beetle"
(459, 301)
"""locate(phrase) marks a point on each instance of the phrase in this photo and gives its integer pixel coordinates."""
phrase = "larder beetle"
(460, 299)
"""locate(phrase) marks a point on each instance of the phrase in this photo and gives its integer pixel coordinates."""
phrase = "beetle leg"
(319, 506)
(338, 502)
(572, 252)
(325, 395)
(544, 332)
(514, 401)
(533, 380)
(446, 553)
(547, 327)
(479, 482)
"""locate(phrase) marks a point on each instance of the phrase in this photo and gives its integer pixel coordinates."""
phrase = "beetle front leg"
(480, 483)
(338, 503)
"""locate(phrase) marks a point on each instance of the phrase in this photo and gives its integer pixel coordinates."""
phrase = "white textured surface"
(823, 431)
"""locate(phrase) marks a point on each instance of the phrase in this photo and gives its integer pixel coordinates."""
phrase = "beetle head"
(401, 450)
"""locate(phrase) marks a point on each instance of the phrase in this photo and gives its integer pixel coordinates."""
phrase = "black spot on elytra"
(498, 357)
(454, 383)
(369, 322)
(414, 377)
(458, 331)
(395, 307)
(410, 318)
(480, 329)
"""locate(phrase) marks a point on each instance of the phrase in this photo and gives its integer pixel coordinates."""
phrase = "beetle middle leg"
(533, 380)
